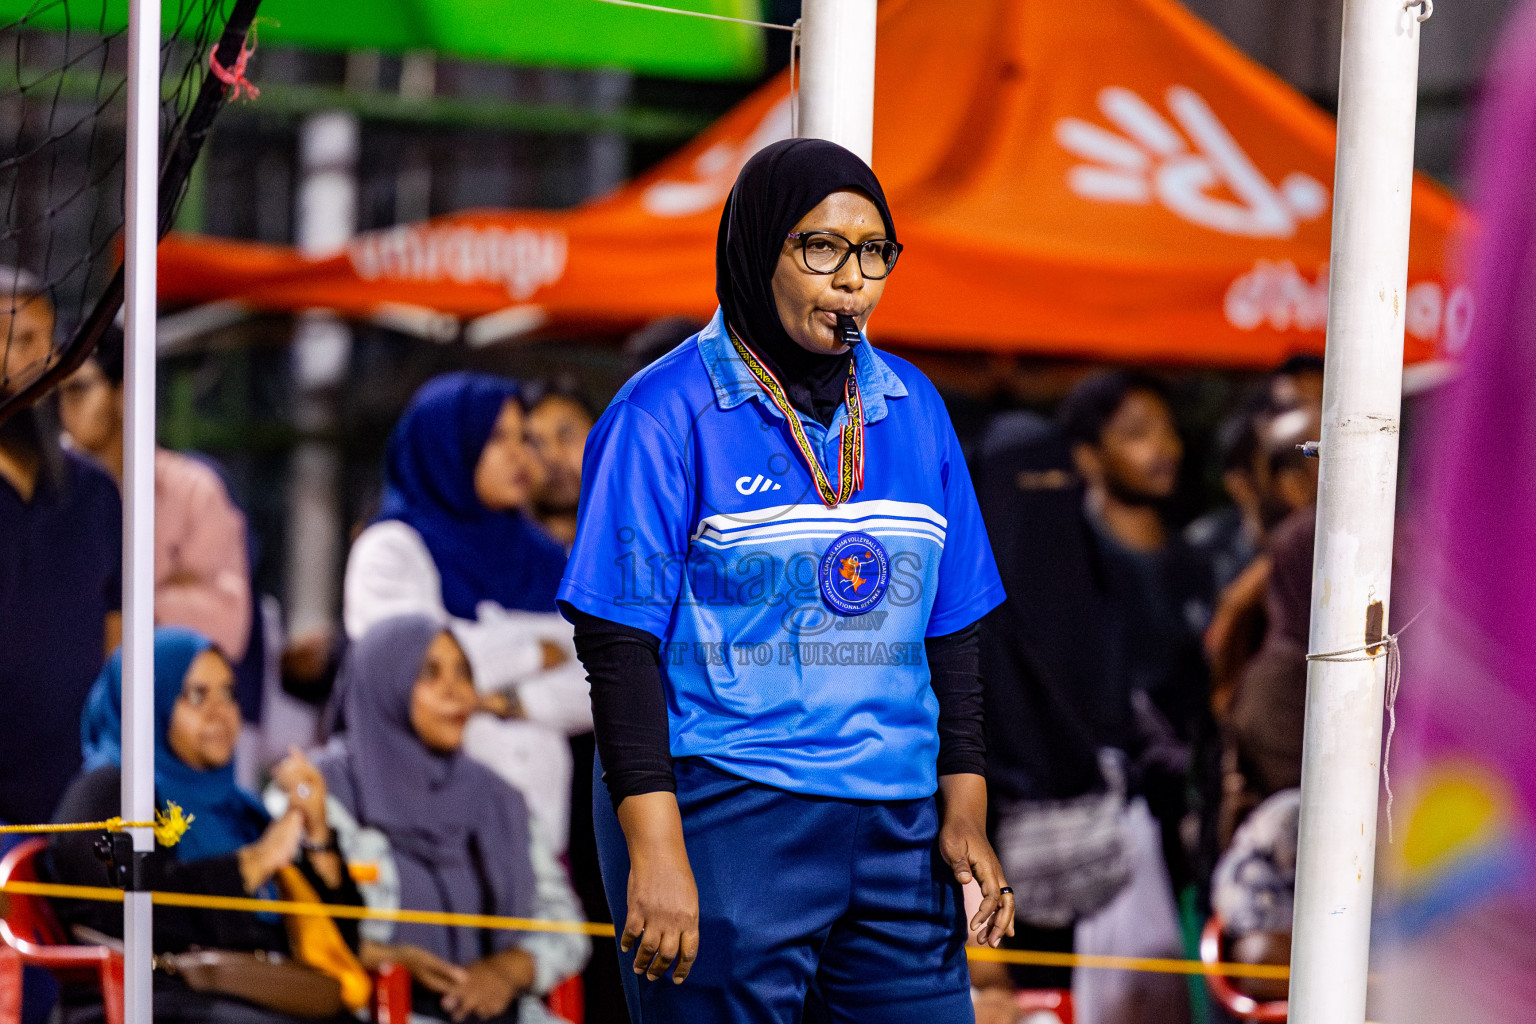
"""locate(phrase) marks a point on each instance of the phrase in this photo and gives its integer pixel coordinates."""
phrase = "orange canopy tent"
(1107, 179)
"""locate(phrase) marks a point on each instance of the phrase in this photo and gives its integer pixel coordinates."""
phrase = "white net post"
(140, 237)
(837, 73)
(1352, 563)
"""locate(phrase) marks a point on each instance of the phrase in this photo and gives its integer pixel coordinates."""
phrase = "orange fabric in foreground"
(1108, 179)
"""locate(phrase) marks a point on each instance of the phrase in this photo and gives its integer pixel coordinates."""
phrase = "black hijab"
(779, 185)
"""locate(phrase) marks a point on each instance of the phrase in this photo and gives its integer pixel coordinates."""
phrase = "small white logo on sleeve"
(755, 485)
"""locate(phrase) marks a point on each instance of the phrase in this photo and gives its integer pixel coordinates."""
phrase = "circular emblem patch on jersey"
(855, 572)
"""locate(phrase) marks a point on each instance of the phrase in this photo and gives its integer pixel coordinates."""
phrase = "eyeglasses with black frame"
(824, 252)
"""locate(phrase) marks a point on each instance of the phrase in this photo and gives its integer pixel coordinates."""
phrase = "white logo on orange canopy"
(1278, 295)
(522, 260)
(714, 170)
(1151, 159)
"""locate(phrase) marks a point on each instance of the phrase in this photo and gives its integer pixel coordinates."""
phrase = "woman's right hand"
(662, 924)
(995, 1006)
(276, 848)
(430, 971)
(304, 786)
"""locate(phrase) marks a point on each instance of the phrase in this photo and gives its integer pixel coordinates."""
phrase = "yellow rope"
(524, 924)
(110, 825)
(1153, 965)
(199, 902)
(169, 825)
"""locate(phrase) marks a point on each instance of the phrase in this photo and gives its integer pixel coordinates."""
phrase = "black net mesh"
(63, 132)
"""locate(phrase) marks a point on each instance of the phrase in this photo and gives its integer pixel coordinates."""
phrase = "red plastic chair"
(392, 998)
(392, 995)
(30, 933)
(31, 930)
(568, 1000)
(10, 982)
(1242, 1006)
(1044, 1005)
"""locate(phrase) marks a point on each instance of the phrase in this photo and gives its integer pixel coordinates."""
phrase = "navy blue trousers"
(810, 909)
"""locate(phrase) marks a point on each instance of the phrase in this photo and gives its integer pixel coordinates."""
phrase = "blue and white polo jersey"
(792, 633)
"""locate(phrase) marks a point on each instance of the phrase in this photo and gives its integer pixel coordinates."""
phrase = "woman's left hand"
(490, 985)
(963, 845)
(503, 704)
(305, 787)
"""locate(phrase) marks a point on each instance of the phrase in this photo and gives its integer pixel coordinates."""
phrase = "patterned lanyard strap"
(850, 455)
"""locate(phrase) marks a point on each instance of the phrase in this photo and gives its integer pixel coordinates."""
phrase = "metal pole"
(140, 237)
(1352, 562)
(837, 73)
(322, 349)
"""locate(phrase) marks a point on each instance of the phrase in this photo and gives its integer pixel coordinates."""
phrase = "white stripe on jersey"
(818, 535)
(779, 522)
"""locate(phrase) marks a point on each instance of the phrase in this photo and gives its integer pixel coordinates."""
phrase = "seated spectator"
(232, 848)
(443, 832)
(1230, 536)
(1245, 632)
(61, 529)
(454, 542)
(1279, 480)
(1268, 711)
(1297, 383)
(202, 578)
(1254, 890)
(559, 421)
(655, 340)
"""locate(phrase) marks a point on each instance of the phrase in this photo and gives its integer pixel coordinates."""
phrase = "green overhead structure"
(558, 33)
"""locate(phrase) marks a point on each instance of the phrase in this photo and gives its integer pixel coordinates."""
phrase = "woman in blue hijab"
(232, 848)
(458, 472)
(454, 543)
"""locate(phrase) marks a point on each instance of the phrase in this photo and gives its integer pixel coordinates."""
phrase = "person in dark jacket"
(1094, 660)
(61, 530)
(233, 848)
(1051, 654)
(1126, 447)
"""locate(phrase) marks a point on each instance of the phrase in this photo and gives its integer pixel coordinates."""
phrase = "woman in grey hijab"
(443, 832)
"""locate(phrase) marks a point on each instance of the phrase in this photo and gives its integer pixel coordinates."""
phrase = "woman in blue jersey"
(778, 568)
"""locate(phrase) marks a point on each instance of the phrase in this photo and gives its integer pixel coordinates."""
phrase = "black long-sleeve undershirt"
(629, 707)
(629, 704)
(954, 669)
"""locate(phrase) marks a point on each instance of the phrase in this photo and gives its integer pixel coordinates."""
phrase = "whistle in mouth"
(848, 330)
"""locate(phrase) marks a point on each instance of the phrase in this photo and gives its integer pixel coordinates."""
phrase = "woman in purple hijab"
(454, 541)
(445, 832)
